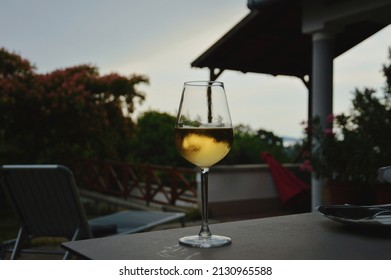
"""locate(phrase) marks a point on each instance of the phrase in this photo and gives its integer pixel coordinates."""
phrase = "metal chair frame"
(46, 200)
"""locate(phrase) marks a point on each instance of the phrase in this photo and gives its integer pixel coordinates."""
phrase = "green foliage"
(154, 140)
(154, 143)
(359, 142)
(78, 113)
(249, 144)
(68, 113)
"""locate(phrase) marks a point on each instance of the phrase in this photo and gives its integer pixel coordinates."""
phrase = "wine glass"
(204, 136)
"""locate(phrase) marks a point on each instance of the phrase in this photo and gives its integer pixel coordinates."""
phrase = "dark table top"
(308, 236)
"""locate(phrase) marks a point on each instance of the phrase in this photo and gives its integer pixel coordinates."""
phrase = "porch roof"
(270, 40)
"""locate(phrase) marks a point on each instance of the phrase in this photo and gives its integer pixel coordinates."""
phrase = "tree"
(248, 145)
(17, 84)
(154, 141)
(68, 113)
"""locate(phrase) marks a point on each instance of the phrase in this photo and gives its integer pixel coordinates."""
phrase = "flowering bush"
(352, 146)
(68, 113)
(332, 154)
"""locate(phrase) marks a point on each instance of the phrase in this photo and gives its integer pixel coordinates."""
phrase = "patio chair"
(46, 200)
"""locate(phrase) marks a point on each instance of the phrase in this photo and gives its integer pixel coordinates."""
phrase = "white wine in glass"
(204, 136)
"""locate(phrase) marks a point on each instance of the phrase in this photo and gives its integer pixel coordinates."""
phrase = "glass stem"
(204, 232)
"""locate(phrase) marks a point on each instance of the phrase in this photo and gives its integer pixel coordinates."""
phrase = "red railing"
(150, 183)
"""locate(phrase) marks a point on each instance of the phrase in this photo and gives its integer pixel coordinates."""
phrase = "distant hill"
(289, 141)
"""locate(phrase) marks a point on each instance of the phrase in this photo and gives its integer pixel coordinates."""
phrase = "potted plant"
(350, 147)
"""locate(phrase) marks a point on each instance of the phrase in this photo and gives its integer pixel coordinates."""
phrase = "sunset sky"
(160, 39)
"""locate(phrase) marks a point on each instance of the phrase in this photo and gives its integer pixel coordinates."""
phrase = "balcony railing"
(234, 190)
(163, 185)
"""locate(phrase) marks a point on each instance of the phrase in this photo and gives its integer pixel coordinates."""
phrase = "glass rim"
(204, 83)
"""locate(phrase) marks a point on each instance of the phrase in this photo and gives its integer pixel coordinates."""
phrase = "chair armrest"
(384, 174)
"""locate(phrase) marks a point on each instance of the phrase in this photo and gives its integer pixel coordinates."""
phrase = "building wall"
(244, 189)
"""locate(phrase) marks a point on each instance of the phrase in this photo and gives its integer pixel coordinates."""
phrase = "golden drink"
(203, 147)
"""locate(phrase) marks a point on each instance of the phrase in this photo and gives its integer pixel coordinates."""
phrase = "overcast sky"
(160, 39)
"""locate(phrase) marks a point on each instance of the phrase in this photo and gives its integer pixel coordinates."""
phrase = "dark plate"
(358, 215)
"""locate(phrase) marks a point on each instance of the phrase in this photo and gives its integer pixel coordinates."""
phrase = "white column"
(322, 90)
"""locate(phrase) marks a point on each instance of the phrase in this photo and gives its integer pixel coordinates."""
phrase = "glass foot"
(197, 241)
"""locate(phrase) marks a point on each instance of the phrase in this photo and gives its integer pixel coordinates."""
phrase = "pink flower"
(328, 131)
(306, 166)
(330, 118)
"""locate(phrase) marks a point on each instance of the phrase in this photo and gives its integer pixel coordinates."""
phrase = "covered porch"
(300, 39)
